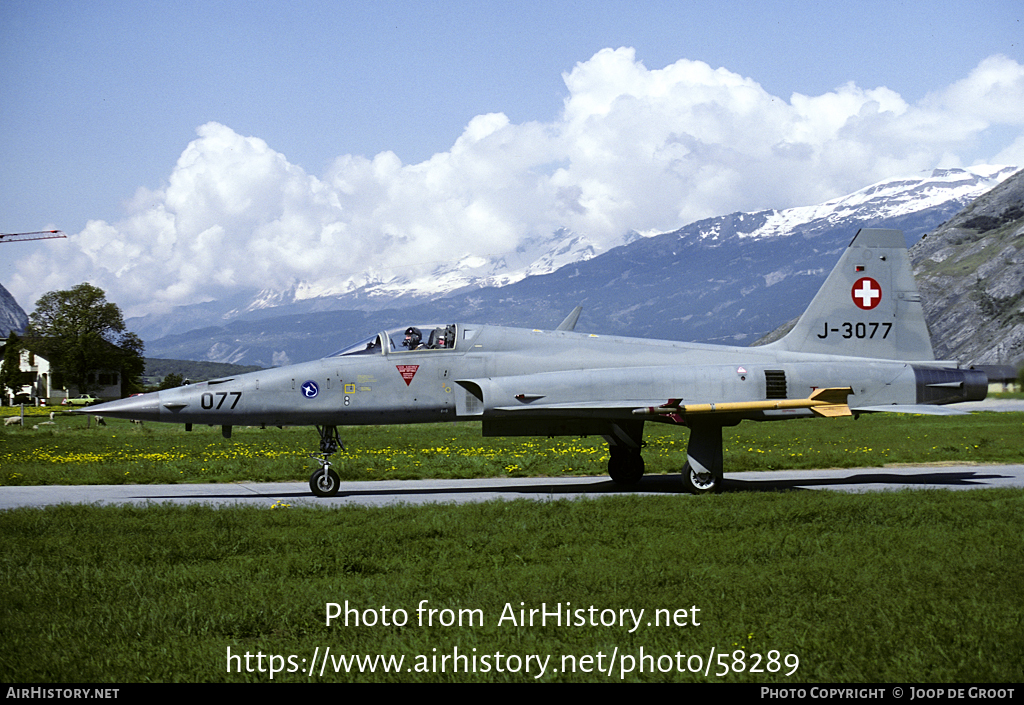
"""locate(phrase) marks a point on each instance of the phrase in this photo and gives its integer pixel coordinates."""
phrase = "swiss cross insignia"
(866, 293)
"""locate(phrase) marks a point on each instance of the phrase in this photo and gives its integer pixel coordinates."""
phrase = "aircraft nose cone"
(143, 408)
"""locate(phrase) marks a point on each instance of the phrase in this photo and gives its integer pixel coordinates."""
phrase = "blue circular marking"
(309, 389)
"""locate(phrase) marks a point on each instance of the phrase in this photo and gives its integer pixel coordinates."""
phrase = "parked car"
(80, 400)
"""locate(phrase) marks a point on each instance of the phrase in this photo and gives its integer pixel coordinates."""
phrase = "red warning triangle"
(407, 372)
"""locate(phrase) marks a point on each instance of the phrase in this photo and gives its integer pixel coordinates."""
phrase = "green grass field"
(919, 586)
(787, 587)
(75, 451)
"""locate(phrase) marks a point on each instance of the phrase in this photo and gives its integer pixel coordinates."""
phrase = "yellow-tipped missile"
(830, 401)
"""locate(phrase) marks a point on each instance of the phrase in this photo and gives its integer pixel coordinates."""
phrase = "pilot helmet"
(412, 337)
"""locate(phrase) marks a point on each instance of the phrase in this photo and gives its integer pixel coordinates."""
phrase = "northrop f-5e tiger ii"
(861, 346)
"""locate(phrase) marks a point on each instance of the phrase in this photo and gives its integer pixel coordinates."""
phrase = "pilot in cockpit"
(413, 337)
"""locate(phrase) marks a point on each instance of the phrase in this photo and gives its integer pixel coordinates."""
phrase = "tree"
(10, 368)
(82, 332)
(133, 364)
(171, 380)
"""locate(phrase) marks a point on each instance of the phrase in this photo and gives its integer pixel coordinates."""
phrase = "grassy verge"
(1006, 395)
(889, 587)
(919, 586)
(74, 450)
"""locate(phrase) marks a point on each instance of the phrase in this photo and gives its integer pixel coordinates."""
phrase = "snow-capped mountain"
(891, 199)
(372, 289)
(729, 279)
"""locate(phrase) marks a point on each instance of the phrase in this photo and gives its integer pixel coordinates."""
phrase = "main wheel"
(324, 482)
(625, 466)
(703, 482)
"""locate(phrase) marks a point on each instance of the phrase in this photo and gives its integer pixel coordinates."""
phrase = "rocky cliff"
(12, 316)
(970, 271)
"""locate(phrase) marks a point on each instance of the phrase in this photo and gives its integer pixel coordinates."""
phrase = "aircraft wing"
(582, 406)
(823, 402)
(911, 409)
(647, 407)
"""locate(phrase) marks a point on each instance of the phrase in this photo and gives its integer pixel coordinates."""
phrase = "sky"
(195, 150)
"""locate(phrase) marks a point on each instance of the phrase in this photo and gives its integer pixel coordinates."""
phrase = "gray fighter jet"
(861, 346)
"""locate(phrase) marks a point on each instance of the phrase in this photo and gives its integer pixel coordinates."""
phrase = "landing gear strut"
(325, 482)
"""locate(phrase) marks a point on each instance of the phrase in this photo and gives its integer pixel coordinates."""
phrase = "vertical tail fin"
(868, 307)
(570, 321)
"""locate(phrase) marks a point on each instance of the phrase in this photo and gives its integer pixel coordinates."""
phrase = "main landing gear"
(701, 481)
(702, 473)
(325, 482)
(625, 464)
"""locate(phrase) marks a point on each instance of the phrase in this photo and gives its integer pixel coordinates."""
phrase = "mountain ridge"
(896, 201)
(724, 279)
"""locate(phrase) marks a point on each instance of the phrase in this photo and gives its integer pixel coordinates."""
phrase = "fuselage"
(489, 372)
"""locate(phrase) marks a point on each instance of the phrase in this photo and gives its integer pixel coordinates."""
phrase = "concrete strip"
(378, 493)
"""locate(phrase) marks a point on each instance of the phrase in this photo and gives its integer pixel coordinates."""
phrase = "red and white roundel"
(866, 293)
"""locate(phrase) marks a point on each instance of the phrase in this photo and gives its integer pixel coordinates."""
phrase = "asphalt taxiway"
(378, 493)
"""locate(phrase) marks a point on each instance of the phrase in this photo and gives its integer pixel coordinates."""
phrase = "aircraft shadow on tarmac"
(651, 484)
(931, 479)
(673, 484)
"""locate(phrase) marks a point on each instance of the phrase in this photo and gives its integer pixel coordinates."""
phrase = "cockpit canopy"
(404, 339)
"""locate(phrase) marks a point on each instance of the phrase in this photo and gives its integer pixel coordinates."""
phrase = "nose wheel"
(324, 482)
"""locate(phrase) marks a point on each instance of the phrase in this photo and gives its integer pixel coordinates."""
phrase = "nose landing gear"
(325, 482)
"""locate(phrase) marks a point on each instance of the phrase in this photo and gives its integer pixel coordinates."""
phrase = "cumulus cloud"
(633, 148)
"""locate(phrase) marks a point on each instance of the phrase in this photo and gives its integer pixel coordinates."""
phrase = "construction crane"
(39, 235)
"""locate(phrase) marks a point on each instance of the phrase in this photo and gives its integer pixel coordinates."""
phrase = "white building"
(42, 387)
